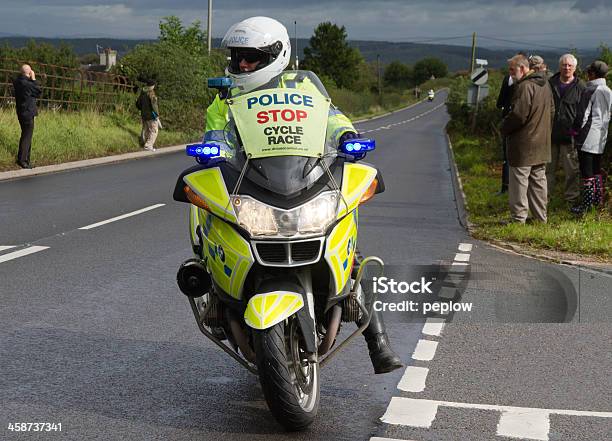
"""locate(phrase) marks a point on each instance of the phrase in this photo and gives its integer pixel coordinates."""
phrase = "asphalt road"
(97, 337)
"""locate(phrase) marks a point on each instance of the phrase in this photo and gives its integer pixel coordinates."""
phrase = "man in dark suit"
(26, 91)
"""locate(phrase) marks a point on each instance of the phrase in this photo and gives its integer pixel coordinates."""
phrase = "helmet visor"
(250, 55)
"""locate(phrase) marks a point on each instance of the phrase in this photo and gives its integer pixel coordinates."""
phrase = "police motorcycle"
(430, 95)
(273, 225)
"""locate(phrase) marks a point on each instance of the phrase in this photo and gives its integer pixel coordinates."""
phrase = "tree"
(329, 54)
(398, 74)
(192, 39)
(428, 67)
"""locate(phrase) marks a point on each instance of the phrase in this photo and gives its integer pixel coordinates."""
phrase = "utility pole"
(473, 52)
(379, 82)
(209, 31)
(297, 65)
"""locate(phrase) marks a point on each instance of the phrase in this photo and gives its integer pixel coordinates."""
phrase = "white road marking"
(465, 247)
(529, 423)
(425, 350)
(404, 121)
(414, 379)
(433, 326)
(21, 253)
(514, 422)
(409, 412)
(6, 247)
(462, 257)
(376, 438)
(123, 216)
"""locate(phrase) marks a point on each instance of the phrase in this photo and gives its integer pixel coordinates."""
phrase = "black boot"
(383, 358)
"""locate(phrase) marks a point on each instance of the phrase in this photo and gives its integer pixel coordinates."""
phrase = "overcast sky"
(578, 23)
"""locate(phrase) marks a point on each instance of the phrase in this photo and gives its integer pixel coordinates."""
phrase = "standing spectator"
(503, 102)
(591, 125)
(537, 64)
(26, 91)
(528, 127)
(567, 90)
(149, 112)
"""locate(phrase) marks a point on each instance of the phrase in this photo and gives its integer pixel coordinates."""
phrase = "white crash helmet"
(257, 38)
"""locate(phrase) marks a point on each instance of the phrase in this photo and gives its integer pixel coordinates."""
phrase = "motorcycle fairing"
(340, 250)
(228, 255)
(210, 186)
(356, 180)
(267, 309)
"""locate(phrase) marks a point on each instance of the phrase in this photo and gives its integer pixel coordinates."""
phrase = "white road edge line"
(377, 438)
(462, 257)
(6, 247)
(465, 247)
(414, 379)
(433, 326)
(123, 216)
(425, 350)
(21, 253)
(421, 413)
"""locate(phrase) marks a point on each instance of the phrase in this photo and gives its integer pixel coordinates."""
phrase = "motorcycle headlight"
(310, 219)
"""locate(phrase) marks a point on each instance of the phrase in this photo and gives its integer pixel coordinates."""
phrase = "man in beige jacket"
(528, 127)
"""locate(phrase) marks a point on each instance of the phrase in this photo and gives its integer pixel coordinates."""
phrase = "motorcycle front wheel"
(290, 381)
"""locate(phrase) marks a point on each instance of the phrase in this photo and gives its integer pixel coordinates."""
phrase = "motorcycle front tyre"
(276, 351)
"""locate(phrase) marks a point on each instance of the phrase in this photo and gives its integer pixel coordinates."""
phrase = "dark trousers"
(590, 164)
(505, 168)
(25, 142)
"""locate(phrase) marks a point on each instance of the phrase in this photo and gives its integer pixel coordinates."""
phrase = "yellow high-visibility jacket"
(217, 114)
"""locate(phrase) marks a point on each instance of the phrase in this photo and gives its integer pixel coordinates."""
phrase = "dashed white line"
(21, 253)
(377, 438)
(414, 379)
(6, 247)
(515, 422)
(462, 257)
(433, 326)
(123, 216)
(425, 350)
(525, 423)
(465, 247)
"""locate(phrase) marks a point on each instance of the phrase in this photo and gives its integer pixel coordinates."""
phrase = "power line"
(524, 43)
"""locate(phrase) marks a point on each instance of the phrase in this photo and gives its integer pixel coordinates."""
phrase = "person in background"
(591, 130)
(149, 112)
(528, 127)
(26, 91)
(567, 91)
(503, 102)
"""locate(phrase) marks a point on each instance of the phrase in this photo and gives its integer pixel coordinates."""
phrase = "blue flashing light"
(203, 151)
(358, 147)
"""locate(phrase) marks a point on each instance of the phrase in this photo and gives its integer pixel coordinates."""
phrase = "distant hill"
(456, 57)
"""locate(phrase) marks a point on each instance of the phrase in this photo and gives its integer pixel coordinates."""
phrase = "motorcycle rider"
(260, 51)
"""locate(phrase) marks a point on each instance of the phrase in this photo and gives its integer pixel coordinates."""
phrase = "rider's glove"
(346, 136)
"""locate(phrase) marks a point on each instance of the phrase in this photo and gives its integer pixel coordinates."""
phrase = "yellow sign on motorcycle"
(281, 122)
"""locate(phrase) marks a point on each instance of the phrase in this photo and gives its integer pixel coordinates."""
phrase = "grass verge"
(479, 164)
(71, 136)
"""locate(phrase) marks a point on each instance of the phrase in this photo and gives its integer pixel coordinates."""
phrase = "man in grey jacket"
(591, 129)
(528, 127)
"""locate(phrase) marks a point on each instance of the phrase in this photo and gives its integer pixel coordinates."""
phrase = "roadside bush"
(181, 80)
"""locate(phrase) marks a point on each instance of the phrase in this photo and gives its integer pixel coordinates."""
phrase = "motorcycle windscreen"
(281, 122)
